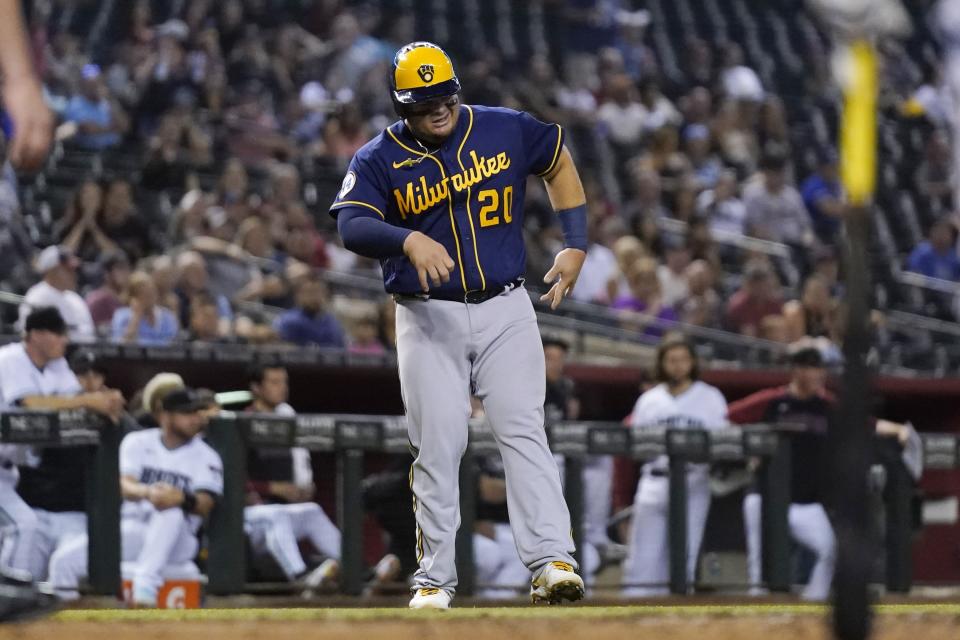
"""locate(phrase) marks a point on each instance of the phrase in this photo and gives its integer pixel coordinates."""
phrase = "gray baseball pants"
(446, 350)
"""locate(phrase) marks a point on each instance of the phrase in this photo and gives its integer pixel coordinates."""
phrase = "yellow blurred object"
(858, 136)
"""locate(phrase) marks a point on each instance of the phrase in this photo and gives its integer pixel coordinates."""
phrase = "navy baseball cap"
(45, 319)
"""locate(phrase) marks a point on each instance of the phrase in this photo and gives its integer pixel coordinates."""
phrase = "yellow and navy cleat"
(430, 598)
(557, 582)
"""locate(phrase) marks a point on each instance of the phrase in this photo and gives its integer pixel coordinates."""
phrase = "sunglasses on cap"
(429, 106)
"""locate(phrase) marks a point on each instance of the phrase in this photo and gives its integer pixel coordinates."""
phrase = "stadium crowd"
(230, 122)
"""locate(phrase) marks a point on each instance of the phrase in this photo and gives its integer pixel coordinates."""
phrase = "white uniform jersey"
(19, 379)
(302, 469)
(192, 467)
(699, 407)
(71, 306)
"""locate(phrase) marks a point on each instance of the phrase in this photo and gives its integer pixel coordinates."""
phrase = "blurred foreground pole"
(851, 435)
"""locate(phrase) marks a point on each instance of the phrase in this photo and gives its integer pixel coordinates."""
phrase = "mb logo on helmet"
(425, 72)
(421, 71)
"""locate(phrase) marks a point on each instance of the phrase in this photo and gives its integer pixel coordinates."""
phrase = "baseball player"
(680, 401)
(35, 375)
(170, 480)
(438, 197)
(282, 512)
(804, 401)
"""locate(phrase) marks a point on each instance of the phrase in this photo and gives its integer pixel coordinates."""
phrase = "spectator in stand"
(387, 323)
(644, 305)
(345, 133)
(702, 305)
(698, 145)
(660, 111)
(79, 230)
(823, 196)
(933, 178)
(775, 210)
(58, 288)
(736, 138)
(936, 257)
(672, 273)
(363, 336)
(142, 321)
(234, 183)
(105, 300)
(721, 206)
(739, 81)
(753, 301)
(204, 319)
(600, 235)
(121, 222)
(100, 120)
(309, 323)
(814, 315)
(622, 116)
(163, 272)
(626, 250)
(192, 279)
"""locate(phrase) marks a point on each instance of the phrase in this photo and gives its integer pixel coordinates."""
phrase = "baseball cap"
(54, 256)
(45, 319)
(185, 400)
(158, 388)
(84, 361)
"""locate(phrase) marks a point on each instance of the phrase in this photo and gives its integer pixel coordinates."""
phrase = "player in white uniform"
(35, 375)
(275, 528)
(170, 480)
(680, 401)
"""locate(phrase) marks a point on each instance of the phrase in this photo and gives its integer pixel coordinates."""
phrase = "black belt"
(659, 473)
(470, 297)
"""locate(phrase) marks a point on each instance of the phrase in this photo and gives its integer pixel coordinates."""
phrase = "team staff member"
(279, 513)
(35, 375)
(680, 401)
(804, 401)
(170, 480)
(438, 198)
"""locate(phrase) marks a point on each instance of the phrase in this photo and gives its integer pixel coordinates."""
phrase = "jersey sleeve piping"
(556, 153)
(342, 203)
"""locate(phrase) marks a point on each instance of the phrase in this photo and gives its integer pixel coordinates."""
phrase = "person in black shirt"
(806, 403)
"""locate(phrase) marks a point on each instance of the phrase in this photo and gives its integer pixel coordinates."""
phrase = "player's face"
(51, 345)
(274, 389)
(434, 120)
(92, 381)
(187, 425)
(556, 358)
(677, 365)
(810, 380)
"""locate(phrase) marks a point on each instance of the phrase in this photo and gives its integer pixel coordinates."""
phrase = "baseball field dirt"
(772, 622)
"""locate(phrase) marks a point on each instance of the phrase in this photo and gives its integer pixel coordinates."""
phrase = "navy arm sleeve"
(366, 234)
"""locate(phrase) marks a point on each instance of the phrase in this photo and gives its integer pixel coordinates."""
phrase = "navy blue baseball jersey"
(466, 195)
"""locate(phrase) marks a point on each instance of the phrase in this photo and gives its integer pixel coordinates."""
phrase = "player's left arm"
(569, 201)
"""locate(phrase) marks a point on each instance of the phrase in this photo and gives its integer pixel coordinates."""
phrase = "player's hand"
(565, 271)
(164, 496)
(429, 258)
(32, 123)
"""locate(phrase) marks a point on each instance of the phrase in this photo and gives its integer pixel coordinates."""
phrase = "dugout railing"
(351, 437)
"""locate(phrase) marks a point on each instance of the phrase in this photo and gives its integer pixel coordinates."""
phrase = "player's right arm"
(360, 211)
(108, 403)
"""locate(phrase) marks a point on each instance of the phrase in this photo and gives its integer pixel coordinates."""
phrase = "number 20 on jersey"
(490, 206)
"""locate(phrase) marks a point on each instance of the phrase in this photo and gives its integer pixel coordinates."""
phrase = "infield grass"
(383, 614)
